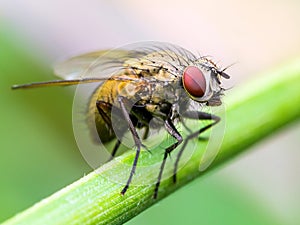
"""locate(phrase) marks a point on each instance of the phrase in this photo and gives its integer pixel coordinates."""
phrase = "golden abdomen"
(101, 102)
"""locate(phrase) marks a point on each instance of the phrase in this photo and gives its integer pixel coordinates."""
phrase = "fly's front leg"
(136, 139)
(197, 116)
(173, 131)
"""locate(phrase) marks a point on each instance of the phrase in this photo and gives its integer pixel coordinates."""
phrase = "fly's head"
(202, 82)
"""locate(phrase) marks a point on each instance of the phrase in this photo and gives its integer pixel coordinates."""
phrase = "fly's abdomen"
(97, 121)
(105, 110)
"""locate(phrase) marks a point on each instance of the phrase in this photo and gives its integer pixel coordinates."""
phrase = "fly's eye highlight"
(194, 81)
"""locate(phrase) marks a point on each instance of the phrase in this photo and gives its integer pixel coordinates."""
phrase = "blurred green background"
(38, 151)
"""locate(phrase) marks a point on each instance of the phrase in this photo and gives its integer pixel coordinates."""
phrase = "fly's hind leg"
(172, 131)
(146, 133)
(103, 106)
(115, 149)
(197, 116)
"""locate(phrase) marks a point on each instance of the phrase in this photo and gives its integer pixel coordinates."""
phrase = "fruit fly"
(153, 82)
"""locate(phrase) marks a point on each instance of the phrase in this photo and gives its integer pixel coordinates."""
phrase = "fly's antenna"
(222, 72)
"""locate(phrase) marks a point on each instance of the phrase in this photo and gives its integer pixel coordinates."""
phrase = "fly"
(157, 83)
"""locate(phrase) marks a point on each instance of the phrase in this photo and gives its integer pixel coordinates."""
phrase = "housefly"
(153, 82)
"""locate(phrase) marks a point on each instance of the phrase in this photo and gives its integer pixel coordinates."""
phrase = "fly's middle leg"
(172, 131)
(198, 116)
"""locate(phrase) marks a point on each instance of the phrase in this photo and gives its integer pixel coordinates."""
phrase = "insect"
(155, 82)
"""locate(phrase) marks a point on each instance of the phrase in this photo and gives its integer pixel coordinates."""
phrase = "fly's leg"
(172, 131)
(197, 116)
(101, 105)
(115, 149)
(136, 139)
(146, 133)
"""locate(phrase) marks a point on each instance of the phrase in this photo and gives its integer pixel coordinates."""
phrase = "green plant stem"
(254, 111)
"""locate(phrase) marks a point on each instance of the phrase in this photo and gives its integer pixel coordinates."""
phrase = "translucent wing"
(72, 68)
(94, 64)
(87, 68)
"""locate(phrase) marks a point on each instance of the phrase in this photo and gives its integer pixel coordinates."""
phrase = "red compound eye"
(194, 81)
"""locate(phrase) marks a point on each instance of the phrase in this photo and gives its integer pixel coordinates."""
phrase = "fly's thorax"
(155, 66)
(160, 98)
